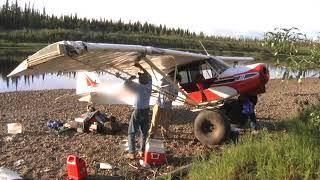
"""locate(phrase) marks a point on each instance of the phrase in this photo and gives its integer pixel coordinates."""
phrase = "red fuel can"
(76, 168)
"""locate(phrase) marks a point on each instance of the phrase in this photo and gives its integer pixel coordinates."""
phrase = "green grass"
(10, 51)
(290, 153)
(4, 44)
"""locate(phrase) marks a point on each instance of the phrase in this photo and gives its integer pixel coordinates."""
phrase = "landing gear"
(211, 127)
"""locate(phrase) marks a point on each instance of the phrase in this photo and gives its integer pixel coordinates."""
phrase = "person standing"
(140, 116)
(162, 110)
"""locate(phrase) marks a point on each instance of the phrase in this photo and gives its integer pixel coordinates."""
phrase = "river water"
(68, 80)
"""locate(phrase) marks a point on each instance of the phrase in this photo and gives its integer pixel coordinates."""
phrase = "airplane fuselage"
(250, 79)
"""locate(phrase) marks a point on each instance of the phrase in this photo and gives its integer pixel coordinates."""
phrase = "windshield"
(217, 65)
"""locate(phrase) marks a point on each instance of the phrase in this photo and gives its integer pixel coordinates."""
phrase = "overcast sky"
(213, 17)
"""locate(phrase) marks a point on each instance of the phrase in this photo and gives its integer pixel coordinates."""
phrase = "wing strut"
(190, 101)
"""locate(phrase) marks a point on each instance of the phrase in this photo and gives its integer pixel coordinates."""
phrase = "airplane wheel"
(211, 127)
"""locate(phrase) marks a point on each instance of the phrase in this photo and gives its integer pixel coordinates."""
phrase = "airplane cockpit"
(202, 72)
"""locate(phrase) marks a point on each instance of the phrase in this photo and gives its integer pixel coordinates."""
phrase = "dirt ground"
(42, 151)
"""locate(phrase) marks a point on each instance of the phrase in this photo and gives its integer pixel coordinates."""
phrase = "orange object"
(76, 168)
(154, 152)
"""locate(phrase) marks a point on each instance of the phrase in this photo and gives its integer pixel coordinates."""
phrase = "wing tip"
(19, 69)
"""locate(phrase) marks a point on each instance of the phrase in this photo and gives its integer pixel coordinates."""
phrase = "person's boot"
(131, 156)
(253, 125)
(141, 154)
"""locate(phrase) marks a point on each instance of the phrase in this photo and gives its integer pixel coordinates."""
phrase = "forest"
(29, 25)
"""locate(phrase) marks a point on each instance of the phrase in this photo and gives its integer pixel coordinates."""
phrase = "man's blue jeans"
(139, 120)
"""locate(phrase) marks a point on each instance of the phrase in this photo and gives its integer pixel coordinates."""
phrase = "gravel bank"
(44, 152)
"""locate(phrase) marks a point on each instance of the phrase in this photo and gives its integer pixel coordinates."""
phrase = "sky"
(213, 17)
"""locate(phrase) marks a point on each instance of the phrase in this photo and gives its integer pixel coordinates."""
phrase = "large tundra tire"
(211, 127)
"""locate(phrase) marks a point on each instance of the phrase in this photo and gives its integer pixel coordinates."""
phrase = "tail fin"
(87, 82)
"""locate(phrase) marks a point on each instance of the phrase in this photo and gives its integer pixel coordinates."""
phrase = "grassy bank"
(10, 51)
(292, 152)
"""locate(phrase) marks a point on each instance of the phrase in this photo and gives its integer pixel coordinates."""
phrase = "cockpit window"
(218, 66)
(184, 76)
(209, 69)
(194, 72)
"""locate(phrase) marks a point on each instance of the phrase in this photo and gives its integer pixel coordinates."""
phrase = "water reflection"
(38, 82)
(68, 80)
(281, 73)
(42, 81)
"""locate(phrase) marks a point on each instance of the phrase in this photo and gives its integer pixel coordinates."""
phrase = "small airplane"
(206, 81)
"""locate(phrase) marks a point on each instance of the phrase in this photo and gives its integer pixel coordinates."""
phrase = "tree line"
(27, 24)
(12, 16)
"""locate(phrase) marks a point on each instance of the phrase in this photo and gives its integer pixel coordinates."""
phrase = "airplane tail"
(87, 82)
(91, 89)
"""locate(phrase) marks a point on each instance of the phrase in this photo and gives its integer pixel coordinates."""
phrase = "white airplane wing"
(71, 56)
(234, 60)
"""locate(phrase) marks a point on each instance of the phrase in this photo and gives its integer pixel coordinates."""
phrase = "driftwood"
(181, 171)
(101, 177)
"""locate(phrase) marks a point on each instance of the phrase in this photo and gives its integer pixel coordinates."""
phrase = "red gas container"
(76, 168)
(154, 152)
